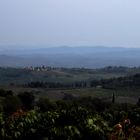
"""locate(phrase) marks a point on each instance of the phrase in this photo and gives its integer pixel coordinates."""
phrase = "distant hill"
(62, 75)
(88, 57)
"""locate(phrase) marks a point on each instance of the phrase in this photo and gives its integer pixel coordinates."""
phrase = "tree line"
(113, 83)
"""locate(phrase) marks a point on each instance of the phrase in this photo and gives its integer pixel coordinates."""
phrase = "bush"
(11, 104)
(46, 105)
(27, 100)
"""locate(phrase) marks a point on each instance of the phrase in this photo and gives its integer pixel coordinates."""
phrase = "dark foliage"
(11, 104)
(27, 99)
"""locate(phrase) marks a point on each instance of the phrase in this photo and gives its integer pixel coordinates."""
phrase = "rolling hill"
(88, 57)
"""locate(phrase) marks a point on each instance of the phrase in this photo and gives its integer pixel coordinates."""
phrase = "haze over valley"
(88, 57)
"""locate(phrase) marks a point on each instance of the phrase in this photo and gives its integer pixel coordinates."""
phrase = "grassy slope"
(20, 76)
(69, 75)
(122, 96)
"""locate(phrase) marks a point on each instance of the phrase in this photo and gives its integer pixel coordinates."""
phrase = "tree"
(46, 105)
(27, 99)
(113, 98)
(11, 104)
(138, 103)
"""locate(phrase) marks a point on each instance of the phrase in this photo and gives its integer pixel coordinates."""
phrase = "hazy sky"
(70, 22)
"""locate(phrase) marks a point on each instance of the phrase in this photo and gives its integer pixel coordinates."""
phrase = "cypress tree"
(113, 98)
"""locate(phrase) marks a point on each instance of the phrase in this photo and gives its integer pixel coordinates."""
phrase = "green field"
(14, 79)
(122, 96)
(64, 75)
